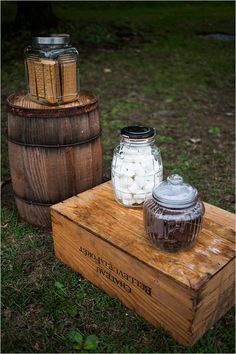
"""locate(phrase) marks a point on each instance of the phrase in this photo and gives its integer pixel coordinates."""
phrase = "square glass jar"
(51, 65)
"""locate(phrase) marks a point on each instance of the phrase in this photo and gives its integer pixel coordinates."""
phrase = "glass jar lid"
(174, 193)
(55, 39)
(137, 132)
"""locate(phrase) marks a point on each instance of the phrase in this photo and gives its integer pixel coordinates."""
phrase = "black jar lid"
(137, 132)
(174, 193)
(55, 39)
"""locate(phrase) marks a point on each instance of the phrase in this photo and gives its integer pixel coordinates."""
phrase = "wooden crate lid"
(97, 211)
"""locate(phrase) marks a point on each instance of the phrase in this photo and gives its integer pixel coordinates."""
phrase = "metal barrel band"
(58, 146)
(32, 202)
(50, 113)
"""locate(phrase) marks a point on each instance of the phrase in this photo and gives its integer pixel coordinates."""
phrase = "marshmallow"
(140, 181)
(129, 202)
(150, 178)
(134, 188)
(139, 170)
(139, 201)
(126, 196)
(148, 187)
(125, 182)
(148, 162)
(116, 182)
(127, 169)
(139, 198)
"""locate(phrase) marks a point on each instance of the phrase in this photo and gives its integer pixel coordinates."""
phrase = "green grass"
(37, 313)
(162, 74)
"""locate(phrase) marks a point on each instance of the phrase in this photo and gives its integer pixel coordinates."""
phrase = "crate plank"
(185, 292)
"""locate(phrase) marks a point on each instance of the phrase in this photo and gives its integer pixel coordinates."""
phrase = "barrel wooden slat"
(52, 157)
(34, 214)
(66, 130)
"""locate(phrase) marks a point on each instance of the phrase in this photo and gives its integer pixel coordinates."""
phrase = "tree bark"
(35, 15)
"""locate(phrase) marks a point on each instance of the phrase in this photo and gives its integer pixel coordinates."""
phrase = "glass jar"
(173, 216)
(136, 166)
(52, 70)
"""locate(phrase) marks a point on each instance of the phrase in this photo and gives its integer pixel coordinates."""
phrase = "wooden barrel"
(55, 152)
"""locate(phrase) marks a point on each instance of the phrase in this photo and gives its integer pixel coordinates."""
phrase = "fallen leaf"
(195, 141)
(169, 100)
(37, 347)
(107, 70)
(7, 313)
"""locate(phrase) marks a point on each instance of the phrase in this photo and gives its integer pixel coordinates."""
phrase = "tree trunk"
(35, 15)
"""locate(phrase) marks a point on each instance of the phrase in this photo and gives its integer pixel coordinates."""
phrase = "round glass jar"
(173, 216)
(136, 166)
(51, 65)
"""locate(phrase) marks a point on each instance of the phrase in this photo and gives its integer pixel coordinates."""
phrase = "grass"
(162, 74)
(43, 316)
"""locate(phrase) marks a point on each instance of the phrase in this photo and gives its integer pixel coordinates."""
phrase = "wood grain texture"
(37, 215)
(185, 292)
(191, 267)
(49, 131)
(221, 216)
(52, 158)
(23, 101)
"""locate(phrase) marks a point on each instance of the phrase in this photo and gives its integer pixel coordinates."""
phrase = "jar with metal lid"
(173, 216)
(136, 166)
(52, 70)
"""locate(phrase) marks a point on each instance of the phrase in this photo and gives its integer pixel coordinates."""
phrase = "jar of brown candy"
(173, 216)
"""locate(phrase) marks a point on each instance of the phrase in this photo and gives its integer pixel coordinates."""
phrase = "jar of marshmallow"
(136, 166)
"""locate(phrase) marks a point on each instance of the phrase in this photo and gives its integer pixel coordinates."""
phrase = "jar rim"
(137, 142)
(175, 205)
(137, 132)
(57, 39)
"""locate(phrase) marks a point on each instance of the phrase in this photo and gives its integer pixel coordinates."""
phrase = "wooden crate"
(184, 292)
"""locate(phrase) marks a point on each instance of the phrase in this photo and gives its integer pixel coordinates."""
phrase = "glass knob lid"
(175, 179)
(175, 193)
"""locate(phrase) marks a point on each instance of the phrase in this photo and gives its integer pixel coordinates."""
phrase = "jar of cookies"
(136, 166)
(52, 70)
